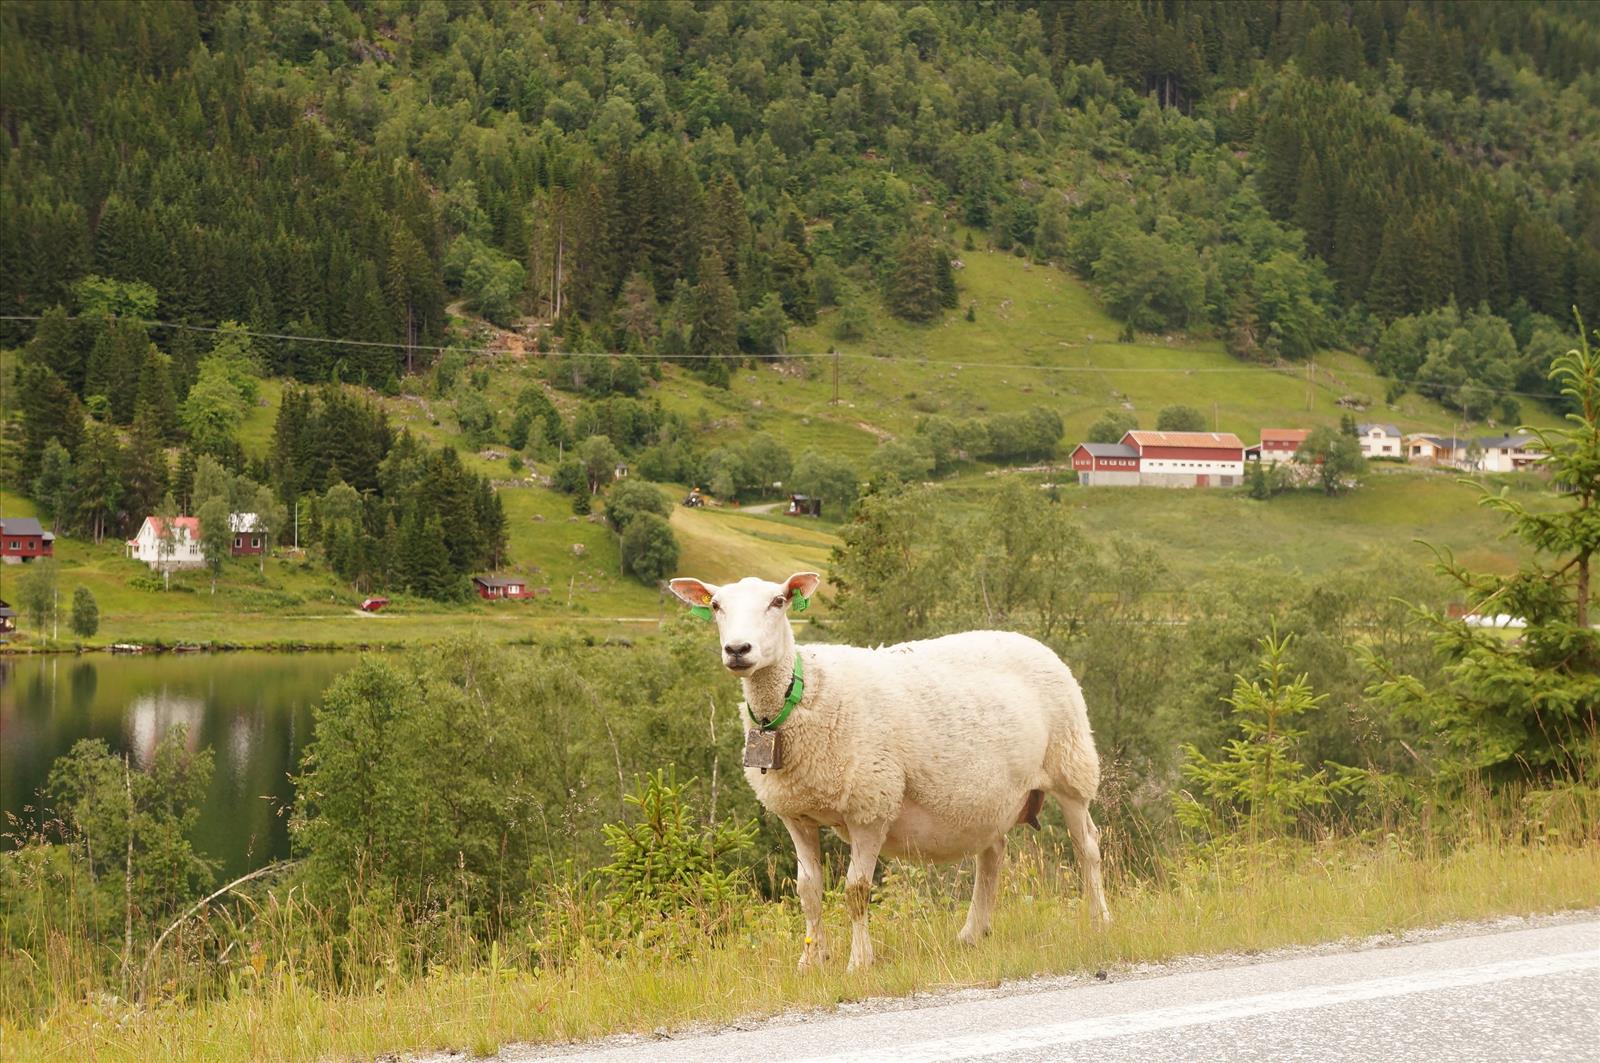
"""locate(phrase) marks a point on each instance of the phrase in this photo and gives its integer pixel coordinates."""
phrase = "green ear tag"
(799, 603)
(701, 612)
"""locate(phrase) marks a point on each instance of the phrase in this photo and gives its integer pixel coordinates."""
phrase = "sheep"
(929, 751)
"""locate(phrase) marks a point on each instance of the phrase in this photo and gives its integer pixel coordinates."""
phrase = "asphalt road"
(1529, 994)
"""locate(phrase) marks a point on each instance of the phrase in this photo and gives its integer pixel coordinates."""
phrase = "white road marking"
(1035, 1037)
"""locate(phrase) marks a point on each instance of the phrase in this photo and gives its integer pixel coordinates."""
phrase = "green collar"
(797, 690)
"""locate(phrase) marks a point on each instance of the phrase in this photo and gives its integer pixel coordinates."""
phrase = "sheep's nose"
(736, 649)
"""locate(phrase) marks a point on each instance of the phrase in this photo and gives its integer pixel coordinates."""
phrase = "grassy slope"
(1039, 337)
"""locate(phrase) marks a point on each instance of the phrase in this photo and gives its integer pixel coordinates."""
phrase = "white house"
(1506, 453)
(181, 551)
(1381, 441)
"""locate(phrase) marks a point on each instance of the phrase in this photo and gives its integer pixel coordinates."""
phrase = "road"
(1531, 994)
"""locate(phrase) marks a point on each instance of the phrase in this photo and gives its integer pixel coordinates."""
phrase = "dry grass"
(1340, 890)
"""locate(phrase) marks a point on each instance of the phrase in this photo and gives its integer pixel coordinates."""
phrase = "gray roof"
(1110, 450)
(1388, 429)
(6, 610)
(499, 581)
(1515, 441)
(23, 526)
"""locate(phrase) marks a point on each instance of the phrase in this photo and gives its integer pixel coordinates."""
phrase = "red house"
(23, 539)
(493, 588)
(247, 537)
(1280, 444)
(1105, 464)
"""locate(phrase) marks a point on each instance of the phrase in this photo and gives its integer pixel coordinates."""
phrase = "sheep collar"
(797, 690)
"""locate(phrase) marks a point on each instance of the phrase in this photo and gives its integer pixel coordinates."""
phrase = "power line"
(1284, 371)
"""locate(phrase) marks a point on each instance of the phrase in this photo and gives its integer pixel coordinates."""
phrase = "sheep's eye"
(779, 602)
(716, 607)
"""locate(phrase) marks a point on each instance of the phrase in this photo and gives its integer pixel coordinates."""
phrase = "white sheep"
(930, 751)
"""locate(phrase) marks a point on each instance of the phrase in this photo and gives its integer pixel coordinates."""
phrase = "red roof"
(1294, 436)
(1211, 440)
(189, 524)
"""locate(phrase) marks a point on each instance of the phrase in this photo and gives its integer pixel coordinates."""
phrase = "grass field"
(1341, 891)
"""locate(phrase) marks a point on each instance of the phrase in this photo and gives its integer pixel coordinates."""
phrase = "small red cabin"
(493, 588)
(23, 539)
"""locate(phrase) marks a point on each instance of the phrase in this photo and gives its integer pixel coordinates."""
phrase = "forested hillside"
(335, 186)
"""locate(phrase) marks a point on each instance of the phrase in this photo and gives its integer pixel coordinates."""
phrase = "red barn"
(23, 539)
(1105, 464)
(493, 588)
(1188, 459)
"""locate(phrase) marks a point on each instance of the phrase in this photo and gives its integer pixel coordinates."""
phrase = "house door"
(1202, 480)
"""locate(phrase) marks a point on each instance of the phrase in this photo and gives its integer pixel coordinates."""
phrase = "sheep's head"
(752, 616)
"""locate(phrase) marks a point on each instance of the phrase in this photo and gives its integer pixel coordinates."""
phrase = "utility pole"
(297, 523)
(1311, 369)
(836, 376)
(1216, 419)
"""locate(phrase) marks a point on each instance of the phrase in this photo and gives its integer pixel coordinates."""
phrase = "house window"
(255, 541)
(13, 544)
(238, 542)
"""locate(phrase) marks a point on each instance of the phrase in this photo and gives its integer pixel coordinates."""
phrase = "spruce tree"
(1526, 707)
(715, 333)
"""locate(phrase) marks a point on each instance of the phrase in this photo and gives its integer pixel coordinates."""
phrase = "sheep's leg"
(985, 888)
(865, 842)
(808, 884)
(1086, 838)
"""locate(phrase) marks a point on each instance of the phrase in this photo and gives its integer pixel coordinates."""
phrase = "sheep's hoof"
(969, 936)
(859, 963)
(811, 959)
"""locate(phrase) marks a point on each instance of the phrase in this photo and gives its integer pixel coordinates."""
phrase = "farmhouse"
(181, 548)
(1106, 464)
(1188, 459)
(23, 539)
(1279, 444)
(493, 588)
(8, 618)
(1380, 441)
(1506, 453)
(248, 539)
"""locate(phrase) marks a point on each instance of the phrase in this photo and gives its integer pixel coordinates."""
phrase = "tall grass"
(274, 976)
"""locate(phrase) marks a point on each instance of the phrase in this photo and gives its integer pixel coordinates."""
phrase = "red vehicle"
(372, 605)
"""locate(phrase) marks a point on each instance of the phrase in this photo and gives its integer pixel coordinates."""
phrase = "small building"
(182, 547)
(1188, 459)
(1280, 444)
(1438, 450)
(804, 506)
(8, 618)
(1507, 453)
(493, 588)
(23, 538)
(1106, 464)
(1381, 441)
(248, 539)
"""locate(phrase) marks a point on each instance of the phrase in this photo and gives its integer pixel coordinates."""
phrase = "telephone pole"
(836, 376)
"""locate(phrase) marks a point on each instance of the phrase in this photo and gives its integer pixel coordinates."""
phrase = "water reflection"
(252, 710)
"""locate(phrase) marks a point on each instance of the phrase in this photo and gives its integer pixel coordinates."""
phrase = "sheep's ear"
(801, 585)
(691, 591)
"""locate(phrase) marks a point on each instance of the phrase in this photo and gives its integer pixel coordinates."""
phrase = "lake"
(254, 710)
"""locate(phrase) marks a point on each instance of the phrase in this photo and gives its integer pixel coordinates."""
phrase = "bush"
(630, 498)
(424, 776)
(1180, 419)
(649, 549)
